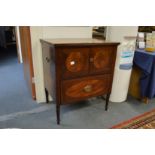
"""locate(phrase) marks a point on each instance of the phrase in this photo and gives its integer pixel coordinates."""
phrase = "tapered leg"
(46, 94)
(102, 97)
(107, 102)
(58, 113)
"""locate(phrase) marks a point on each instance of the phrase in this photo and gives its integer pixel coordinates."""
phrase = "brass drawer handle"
(87, 88)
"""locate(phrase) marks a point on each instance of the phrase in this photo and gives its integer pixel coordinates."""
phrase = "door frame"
(18, 44)
(26, 52)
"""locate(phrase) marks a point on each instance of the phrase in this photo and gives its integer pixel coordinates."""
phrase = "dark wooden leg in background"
(46, 93)
(58, 113)
(103, 97)
(107, 102)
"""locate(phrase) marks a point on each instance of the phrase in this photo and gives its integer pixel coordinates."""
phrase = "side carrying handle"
(47, 59)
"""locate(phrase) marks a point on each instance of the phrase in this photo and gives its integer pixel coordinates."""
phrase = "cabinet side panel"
(48, 53)
(113, 64)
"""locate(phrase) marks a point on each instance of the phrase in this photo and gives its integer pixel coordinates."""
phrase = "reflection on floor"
(18, 110)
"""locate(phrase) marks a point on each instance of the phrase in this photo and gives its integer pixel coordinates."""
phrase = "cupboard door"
(101, 59)
(74, 62)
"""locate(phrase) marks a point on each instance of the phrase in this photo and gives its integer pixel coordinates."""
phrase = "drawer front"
(78, 89)
(74, 61)
(101, 59)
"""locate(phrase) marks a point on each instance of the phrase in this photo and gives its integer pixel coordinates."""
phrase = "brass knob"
(87, 88)
(91, 59)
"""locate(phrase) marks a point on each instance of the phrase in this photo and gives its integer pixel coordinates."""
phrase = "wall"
(114, 33)
(117, 33)
(38, 33)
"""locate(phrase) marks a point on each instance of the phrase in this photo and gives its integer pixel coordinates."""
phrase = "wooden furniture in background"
(147, 29)
(76, 69)
(134, 87)
(142, 85)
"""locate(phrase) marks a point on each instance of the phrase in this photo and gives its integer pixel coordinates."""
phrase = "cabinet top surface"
(78, 41)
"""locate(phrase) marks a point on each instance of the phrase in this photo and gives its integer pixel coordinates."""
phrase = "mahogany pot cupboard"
(77, 69)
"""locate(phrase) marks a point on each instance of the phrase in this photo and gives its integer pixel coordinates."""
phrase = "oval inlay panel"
(74, 62)
(100, 60)
(77, 90)
(81, 88)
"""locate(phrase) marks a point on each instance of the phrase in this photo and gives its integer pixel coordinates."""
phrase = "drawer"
(74, 61)
(79, 89)
(101, 59)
